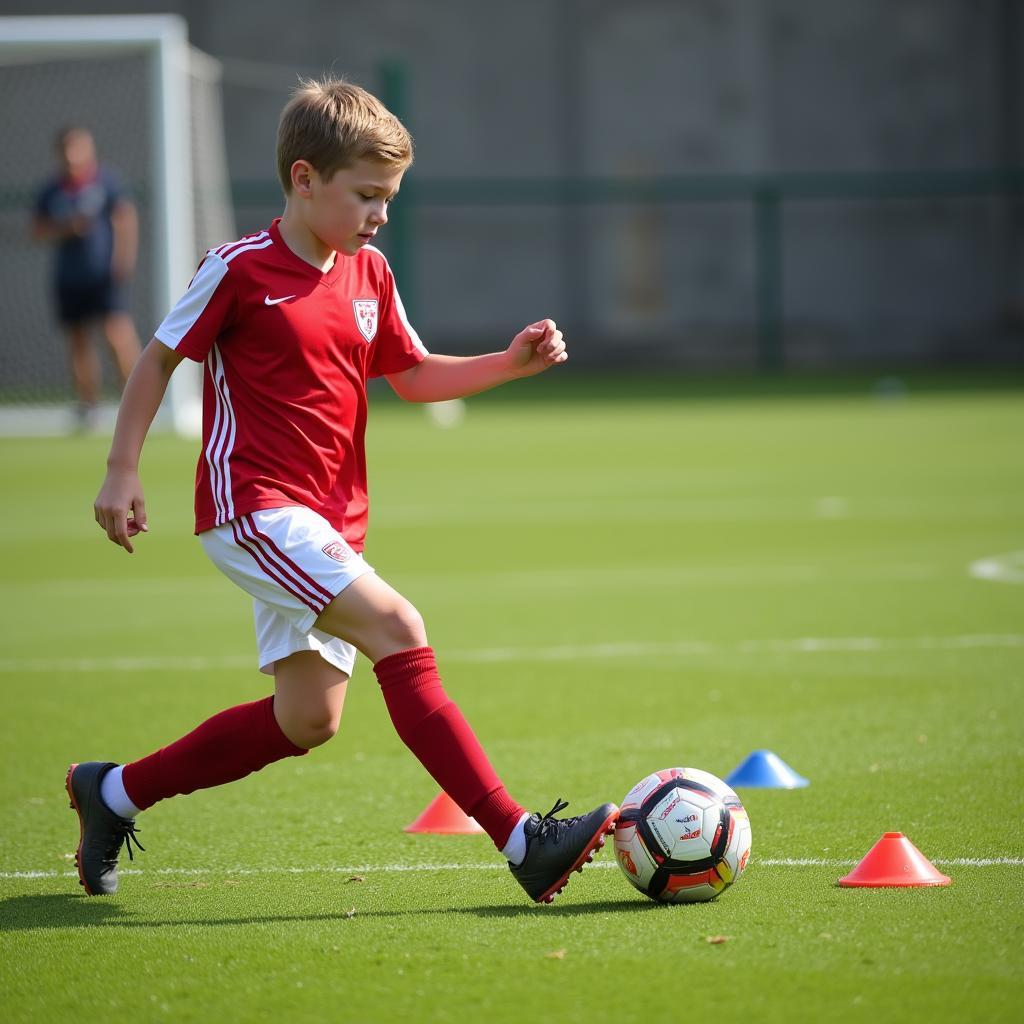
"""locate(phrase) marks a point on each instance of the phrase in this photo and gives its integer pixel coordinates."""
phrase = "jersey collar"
(298, 262)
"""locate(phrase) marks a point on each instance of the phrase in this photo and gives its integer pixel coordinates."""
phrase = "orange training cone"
(444, 817)
(894, 861)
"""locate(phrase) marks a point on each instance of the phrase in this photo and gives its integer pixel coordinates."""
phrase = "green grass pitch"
(613, 587)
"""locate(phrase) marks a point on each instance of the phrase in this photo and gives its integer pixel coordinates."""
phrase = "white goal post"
(171, 69)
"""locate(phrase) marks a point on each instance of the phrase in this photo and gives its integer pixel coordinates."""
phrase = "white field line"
(369, 869)
(558, 652)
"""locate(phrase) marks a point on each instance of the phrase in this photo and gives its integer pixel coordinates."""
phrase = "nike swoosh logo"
(268, 301)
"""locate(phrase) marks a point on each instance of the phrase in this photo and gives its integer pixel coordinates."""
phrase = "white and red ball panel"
(737, 853)
(646, 786)
(633, 857)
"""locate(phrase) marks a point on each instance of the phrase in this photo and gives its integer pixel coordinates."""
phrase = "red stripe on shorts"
(271, 570)
(284, 561)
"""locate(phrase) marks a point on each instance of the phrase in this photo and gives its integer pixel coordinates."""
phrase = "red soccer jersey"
(287, 352)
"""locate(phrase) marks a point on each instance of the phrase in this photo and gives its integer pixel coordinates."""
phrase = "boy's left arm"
(440, 378)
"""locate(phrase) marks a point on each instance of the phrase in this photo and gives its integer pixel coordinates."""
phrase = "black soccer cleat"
(556, 848)
(101, 831)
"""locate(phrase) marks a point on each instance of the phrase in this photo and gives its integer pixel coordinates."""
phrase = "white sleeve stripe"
(222, 440)
(247, 248)
(400, 309)
(415, 338)
(221, 249)
(190, 306)
(215, 431)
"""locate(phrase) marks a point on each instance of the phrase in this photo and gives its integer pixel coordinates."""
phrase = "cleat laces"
(124, 832)
(550, 827)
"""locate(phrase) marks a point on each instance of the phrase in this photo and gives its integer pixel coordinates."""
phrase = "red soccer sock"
(224, 748)
(433, 728)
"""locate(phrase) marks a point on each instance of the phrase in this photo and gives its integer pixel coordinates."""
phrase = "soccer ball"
(682, 836)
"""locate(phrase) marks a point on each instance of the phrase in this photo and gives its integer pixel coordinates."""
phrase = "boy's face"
(347, 211)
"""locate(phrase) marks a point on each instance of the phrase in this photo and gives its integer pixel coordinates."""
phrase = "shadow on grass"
(73, 910)
(59, 910)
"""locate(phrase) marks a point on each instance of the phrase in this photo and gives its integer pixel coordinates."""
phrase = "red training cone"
(444, 817)
(894, 861)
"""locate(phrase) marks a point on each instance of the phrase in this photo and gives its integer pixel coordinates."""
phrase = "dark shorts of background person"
(80, 303)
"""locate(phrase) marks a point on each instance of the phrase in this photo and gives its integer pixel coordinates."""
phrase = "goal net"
(153, 105)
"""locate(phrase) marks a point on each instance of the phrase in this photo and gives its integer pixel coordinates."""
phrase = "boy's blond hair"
(332, 123)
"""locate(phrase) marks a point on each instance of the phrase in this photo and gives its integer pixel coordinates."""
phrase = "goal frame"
(163, 39)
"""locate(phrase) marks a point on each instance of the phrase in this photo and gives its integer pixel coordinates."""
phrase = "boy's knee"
(375, 618)
(313, 730)
(403, 626)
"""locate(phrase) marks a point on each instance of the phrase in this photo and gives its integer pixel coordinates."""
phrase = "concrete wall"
(652, 88)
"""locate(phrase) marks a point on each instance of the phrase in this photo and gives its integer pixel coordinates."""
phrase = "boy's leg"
(387, 629)
(227, 747)
(309, 695)
(303, 713)
(542, 850)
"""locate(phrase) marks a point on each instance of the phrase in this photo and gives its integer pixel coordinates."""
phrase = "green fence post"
(393, 76)
(768, 228)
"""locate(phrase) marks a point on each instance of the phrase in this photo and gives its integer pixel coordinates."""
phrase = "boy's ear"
(302, 178)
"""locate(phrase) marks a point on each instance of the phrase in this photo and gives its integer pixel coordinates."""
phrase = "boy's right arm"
(121, 492)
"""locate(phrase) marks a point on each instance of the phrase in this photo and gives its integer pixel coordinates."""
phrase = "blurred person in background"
(95, 230)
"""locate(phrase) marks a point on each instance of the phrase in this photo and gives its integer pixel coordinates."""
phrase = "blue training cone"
(765, 770)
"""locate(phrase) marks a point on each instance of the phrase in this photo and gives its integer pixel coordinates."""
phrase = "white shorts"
(293, 563)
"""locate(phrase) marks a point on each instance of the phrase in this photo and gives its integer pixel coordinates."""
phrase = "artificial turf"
(614, 584)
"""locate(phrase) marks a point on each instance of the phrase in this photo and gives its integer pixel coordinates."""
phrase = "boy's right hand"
(120, 508)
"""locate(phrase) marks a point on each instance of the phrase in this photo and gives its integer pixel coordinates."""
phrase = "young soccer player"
(289, 324)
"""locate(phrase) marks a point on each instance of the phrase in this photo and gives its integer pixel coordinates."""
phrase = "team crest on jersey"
(336, 550)
(366, 317)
